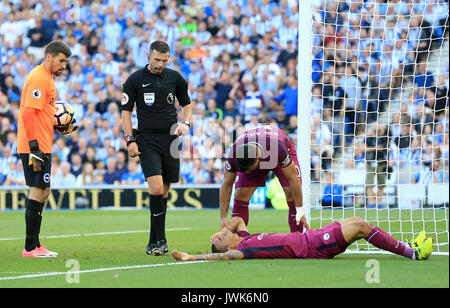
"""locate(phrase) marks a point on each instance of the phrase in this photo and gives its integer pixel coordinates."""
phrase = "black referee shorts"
(160, 155)
(39, 179)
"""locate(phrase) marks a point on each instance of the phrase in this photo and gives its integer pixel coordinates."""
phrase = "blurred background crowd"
(241, 60)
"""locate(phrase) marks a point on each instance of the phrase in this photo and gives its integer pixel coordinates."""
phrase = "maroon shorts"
(326, 242)
(258, 177)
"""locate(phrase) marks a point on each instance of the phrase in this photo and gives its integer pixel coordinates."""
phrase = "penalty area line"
(98, 270)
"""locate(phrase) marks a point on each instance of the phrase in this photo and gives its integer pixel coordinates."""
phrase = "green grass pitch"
(107, 247)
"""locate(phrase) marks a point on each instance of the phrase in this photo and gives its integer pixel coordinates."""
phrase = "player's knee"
(363, 226)
(39, 194)
(156, 188)
(242, 194)
(46, 193)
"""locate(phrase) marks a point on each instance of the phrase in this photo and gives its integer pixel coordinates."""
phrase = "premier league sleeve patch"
(36, 93)
(170, 99)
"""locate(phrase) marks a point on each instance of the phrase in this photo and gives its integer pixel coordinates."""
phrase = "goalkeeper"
(35, 139)
(234, 242)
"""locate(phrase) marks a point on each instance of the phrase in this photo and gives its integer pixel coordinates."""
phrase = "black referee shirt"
(155, 96)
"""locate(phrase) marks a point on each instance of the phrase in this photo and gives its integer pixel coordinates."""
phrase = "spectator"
(430, 174)
(6, 160)
(289, 96)
(15, 175)
(65, 178)
(223, 87)
(333, 194)
(38, 40)
(198, 175)
(10, 29)
(121, 159)
(188, 31)
(61, 149)
(112, 175)
(213, 111)
(423, 78)
(86, 177)
(133, 176)
(376, 149)
(230, 109)
(11, 90)
(76, 164)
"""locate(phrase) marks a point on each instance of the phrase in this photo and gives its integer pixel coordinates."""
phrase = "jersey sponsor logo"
(170, 98)
(36, 93)
(46, 177)
(149, 98)
(124, 99)
(326, 236)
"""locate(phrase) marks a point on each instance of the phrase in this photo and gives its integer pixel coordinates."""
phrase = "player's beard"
(58, 73)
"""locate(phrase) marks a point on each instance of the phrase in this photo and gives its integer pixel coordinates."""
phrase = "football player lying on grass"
(234, 242)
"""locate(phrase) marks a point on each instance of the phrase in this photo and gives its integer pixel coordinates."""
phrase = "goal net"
(376, 118)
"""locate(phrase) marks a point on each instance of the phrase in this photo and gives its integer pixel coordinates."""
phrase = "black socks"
(158, 206)
(33, 219)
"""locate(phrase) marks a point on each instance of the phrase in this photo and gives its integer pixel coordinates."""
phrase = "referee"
(154, 90)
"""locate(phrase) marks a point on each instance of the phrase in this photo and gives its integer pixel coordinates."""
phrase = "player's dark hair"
(56, 47)
(214, 249)
(159, 46)
(245, 157)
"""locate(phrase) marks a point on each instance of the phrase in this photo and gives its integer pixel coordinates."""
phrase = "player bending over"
(255, 153)
(234, 242)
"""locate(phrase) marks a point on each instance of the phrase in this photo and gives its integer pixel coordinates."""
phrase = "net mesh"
(379, 116)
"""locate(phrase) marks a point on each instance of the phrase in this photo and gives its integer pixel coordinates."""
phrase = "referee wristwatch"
(130, 139)
(187, 123)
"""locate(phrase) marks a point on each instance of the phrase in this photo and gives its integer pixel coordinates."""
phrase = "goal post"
(373, 115)
(304, 98)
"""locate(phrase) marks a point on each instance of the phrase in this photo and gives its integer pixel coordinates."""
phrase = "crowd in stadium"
(240, 58)
(363, 59)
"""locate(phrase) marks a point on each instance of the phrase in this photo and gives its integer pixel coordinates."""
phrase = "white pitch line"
(92, 234)
(98, 270)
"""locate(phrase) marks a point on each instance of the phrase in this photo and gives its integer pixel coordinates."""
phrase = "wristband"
(130, 139)
(300, 213)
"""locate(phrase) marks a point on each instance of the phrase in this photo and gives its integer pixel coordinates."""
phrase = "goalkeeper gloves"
(66, 129)
(37, 157)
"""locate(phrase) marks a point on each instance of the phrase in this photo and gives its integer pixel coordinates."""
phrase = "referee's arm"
(185, 103)
(127, 104)
(127, 123)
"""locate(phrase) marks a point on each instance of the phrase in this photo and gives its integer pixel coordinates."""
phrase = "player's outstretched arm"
(225, 195)
(233, 254)
(291, 174)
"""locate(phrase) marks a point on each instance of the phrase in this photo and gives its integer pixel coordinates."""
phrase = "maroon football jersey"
(274, 246)
(273, 142)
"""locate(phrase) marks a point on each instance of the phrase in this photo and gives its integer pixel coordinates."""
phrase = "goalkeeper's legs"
(356, 228)
(33, 216)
